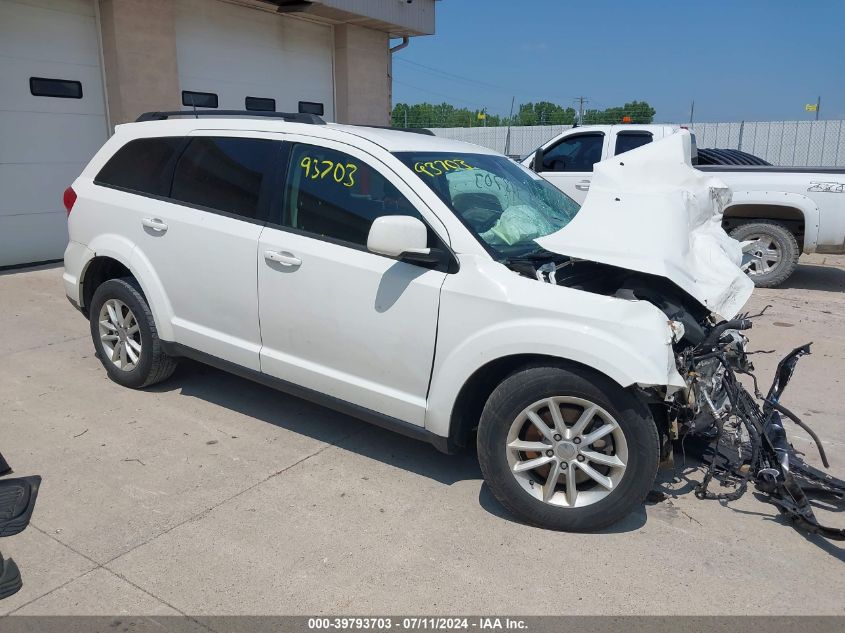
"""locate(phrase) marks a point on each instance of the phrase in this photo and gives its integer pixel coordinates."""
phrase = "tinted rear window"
(626, 141)
(226, 174)
(143, 165)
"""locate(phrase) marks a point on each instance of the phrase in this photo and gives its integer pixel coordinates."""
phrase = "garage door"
(227, 53)
(52, 119)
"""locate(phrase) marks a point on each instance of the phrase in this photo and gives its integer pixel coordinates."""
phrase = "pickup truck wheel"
(567, 449)
(774, 256)
(125, 335)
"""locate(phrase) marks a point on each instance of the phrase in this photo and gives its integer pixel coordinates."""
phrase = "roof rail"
(293, 117)
(412, 130)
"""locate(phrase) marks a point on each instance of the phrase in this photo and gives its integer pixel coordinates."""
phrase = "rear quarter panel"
(819, 196)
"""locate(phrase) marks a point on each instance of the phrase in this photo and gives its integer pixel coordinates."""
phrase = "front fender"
(636, 350)
(808, 208)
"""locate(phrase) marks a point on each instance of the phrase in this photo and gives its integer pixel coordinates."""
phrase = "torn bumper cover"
(657, 214)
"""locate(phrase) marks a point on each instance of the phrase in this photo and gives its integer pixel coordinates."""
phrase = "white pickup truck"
(785, 211)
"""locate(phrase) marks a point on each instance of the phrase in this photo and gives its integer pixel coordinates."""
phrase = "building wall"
(139, 56)
(362, 85)
(140, 60)
(399, 18)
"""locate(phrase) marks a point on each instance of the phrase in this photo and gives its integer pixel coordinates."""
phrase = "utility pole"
(581, 101)
(818, 106)
(406, 116)
(691, 111)
(510, 121)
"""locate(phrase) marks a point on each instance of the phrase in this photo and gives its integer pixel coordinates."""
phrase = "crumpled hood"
(649, 210)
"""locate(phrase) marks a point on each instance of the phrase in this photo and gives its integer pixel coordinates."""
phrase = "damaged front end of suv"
(650, 287)
(685, 265)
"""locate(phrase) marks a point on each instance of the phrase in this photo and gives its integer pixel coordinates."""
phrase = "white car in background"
(425, 285)
(784, 211)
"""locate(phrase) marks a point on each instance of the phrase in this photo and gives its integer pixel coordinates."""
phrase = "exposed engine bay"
(711, 355)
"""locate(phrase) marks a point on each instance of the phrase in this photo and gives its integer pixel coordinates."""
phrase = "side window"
(199, 99)
(626, 141)
(144, 165)
(332, 194)
(574, 153)
(61, 88)
(224, 173)
(261, 104)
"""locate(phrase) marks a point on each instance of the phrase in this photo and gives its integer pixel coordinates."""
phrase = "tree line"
(540, 113)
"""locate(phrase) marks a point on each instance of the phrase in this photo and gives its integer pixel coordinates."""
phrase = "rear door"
(568, 164)
(336, 318)
(197, 226)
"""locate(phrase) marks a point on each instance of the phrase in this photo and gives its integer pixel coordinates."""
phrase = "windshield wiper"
(533, 256)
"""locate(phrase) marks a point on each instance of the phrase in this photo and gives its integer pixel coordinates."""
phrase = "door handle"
(282, 257)
(582, 185)
(155, 224)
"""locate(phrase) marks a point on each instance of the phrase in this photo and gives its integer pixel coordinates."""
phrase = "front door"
(335, 317)
(569, 164)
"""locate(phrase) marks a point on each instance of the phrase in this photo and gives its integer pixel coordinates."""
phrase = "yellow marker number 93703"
(317, 169)
(439, 167)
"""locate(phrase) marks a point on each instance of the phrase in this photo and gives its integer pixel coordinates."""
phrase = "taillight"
(69, 199)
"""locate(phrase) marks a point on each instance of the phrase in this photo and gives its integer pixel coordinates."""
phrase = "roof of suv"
(390, 140)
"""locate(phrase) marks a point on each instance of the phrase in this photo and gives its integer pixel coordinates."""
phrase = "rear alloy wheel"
(120, 335)
(567, 448)
(125, 335)
(773, 255)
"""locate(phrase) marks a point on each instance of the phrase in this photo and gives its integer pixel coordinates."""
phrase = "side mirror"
(537, 164)
(397, 236)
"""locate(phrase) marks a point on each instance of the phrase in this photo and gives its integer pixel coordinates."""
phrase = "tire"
(635, 430)
(152, 365)
(768, 274)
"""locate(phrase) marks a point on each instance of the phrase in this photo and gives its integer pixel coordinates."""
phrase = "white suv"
(395, 277)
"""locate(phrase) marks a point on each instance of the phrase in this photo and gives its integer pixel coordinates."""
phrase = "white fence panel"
(798, 143)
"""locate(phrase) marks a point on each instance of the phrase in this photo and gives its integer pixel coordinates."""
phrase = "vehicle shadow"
(814, 277)
(193, 379)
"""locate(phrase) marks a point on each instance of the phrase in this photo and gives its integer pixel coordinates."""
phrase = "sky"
(752, 60)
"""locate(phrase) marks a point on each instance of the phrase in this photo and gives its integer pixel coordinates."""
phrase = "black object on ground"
(10, 578)
(17, 501)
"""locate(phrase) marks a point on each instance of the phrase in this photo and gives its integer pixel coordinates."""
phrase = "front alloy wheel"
(567, 451)
(566, 448)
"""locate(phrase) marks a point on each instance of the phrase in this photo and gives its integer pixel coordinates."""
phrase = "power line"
(450, 75)
(439, 94)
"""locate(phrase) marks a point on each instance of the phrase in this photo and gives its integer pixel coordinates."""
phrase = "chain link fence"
(785, 143)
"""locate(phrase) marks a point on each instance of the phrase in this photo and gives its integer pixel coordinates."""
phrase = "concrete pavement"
(209, 494)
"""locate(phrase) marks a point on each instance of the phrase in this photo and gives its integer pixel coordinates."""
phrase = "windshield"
(504, 204)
